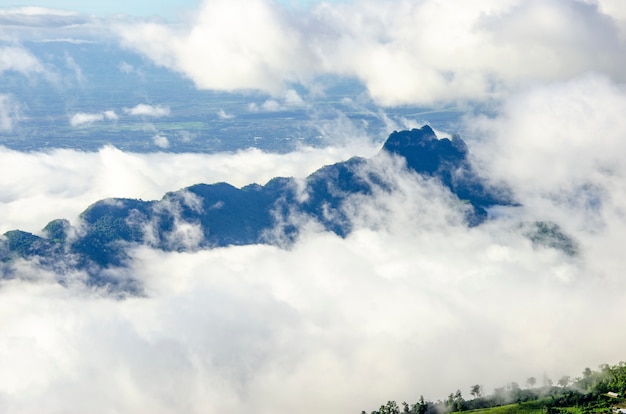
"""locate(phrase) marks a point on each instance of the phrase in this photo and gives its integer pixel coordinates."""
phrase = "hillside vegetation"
(600, 391)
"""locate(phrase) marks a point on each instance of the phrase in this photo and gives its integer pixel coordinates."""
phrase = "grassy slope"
(533, 407)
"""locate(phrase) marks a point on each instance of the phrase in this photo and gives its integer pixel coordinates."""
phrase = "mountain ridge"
(205, 216)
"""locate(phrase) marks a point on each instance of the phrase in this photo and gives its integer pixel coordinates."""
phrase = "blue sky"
(134, 7)
(144, 8)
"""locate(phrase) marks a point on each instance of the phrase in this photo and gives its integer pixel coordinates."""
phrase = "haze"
(412, 302)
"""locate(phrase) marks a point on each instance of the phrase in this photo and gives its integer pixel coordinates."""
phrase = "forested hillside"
(600, 391)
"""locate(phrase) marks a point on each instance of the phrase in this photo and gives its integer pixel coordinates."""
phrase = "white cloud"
(290, 100)
(293, 99)
(161, 141)
(271, 106)
(18, 59)
(67, 181)
(68, 40)
(126, 67)
(73, 66)
(39, 16)
(110, 115)
(562, 142)
(36, 11)
(148, 110)
(82, 118)
(223, 115)
(246, 45)
(410, 303)
(259, 327)
(39, 24)
(558, 148)
(9, 112)
(617, 11)
(405, 52)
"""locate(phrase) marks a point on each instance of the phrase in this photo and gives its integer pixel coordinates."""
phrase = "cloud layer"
(82, 118)
(572, 163)
(405, 52)
(66, 181)
(9, 112)
(18, 59)
(412, 302)
(148, 110)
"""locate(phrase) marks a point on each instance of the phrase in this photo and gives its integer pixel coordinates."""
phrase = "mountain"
(210, 215)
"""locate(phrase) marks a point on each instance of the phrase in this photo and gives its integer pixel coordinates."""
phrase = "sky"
(162, 9)
(413, 302)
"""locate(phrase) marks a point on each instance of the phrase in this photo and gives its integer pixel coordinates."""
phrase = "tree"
(531, 381)
(547, 382)
(564, 381)
(476, 391)
(586, 382)
(515, 391)
(499, 395)
(390, 408)
(450, 401)
(458, 400)
(421, 407)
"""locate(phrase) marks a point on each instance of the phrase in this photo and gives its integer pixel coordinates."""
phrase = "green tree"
(515, 390)
(476, 391)
(499, 396)
(587, 380)
(390, 408)
(547, 382)
(421, 407)
(531, 381)
(450, 402)
(458, 400)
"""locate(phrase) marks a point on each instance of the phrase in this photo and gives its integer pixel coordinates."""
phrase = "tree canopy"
(595, 391)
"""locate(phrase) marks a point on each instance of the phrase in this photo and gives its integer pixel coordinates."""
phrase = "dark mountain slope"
(448, 161)
(211, 215)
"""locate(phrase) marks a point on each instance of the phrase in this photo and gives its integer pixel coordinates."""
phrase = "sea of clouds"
(413, 301)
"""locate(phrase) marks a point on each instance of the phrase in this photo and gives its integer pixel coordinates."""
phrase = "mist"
(405, 52)
(41, 186)
(413, 301)
(415, 304)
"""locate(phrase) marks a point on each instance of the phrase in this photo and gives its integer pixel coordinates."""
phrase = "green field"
(538, 407)
(530, 407)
